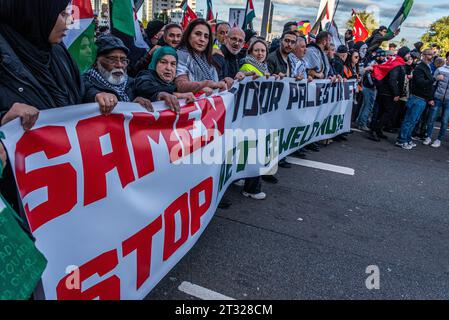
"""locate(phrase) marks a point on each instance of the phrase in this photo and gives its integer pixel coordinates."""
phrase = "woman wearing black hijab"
(36, 70)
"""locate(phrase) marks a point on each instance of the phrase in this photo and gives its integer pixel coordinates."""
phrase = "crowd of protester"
(398, 90)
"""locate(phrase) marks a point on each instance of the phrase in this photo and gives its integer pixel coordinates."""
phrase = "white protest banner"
(116, 201)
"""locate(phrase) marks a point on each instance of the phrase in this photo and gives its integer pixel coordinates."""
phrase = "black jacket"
(393, 84)
(276, 64)
(338, 65)
(422, 82)
(375, 41)
(94, 87)
(148, 85)
(17, 84)
(227, 65)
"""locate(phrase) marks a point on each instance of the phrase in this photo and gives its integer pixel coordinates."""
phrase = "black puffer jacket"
(17, 84)
(227, 65)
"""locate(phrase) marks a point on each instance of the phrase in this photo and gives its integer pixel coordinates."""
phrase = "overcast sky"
(423, 13)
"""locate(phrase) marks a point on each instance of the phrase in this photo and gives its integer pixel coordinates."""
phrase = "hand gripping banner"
(116, 201)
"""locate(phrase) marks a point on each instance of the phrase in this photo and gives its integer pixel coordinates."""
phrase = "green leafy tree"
(438, 33)
(368, 19)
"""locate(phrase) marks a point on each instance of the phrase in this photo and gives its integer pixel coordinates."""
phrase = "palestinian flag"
(250, 14)
(80, 39)
(210, 12)
(124, 19)
(400, 17)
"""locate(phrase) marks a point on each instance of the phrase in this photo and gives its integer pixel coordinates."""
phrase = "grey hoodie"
(442, 90)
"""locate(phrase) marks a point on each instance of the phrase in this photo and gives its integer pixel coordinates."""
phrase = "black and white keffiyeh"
(94, 76)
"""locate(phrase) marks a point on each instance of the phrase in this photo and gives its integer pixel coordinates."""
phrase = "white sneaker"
(427, 141)
(239, 183)
(412, 144)
(436, 144)
(405, 146)
(255, 196)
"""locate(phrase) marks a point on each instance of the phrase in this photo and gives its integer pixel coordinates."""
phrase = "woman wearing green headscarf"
(157, 83)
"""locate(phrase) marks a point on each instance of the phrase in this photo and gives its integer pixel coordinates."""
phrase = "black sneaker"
(373, 136)
(270, 179)
(381, 135)
(224, 204)
(313, 147)
(299, 154)
(284, 164)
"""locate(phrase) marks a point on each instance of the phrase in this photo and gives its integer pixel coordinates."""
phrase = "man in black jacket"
(389, 91)
(421, 94)
(109, 75)
(278, 61)
(339, 60)
(378, 37)
(227, 60)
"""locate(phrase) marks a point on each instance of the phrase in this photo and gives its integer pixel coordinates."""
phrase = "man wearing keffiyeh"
(109, 73)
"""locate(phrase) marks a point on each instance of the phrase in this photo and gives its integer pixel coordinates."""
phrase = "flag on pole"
(328, 6)
(210, 12)
(188, 15)
(124, 19)
(80, 39)
(400, 16)
(318, 26)
(250, 14)
(331, 27)
(359, 30)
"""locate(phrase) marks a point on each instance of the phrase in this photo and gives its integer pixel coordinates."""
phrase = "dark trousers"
(386, 112)
(253, 185)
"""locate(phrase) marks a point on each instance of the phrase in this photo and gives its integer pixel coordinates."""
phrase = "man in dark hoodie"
(390, 86)
(378, 37)
(421, 95)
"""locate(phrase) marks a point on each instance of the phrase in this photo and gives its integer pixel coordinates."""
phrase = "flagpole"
(246, 12)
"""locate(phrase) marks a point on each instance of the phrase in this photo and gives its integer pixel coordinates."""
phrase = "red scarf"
(382, 70)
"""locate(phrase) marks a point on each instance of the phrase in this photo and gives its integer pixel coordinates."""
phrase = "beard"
(110, 77)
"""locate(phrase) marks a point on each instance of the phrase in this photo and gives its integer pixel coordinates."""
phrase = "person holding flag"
(378, 37)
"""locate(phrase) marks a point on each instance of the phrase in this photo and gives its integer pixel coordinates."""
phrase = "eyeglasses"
(234, 39)
(114, 61)
(289, 41)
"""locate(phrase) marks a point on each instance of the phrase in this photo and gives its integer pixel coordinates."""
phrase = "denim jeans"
(369, 97)
(433, 114)
(415, 107)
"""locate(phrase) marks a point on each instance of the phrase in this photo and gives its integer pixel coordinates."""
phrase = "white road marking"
(356, 130)
(201, 293)
(321, 165)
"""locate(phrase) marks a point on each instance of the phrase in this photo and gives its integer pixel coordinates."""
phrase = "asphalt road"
(318, 231)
